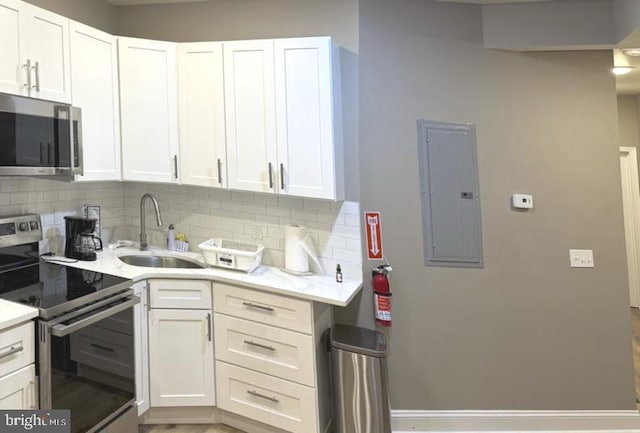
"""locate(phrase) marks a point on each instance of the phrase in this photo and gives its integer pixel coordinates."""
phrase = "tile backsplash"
(199, 213)
(54, 200)
(203, 213)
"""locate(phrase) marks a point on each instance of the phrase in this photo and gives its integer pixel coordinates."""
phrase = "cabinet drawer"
(104, 349)
(275, 351)
(18, 389)
(16, 348)
(184, 294)
(273, 401)
(262, 307)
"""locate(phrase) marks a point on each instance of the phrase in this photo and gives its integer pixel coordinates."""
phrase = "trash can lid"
(358, 340)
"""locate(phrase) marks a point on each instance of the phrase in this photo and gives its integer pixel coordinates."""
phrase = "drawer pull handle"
(258, 307)
(261, 346)
(12, 350)
(266, 397)
(107, 349)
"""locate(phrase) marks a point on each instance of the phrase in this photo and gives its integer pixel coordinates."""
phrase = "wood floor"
(187, 428)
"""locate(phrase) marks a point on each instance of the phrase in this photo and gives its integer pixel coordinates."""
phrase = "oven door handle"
(62, 330)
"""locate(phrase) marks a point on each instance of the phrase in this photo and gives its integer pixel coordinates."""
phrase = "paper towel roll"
(298, 247)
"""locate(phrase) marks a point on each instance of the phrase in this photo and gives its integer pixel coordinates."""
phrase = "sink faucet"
(143, 222)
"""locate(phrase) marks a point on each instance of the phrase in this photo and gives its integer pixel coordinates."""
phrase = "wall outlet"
(581, 258)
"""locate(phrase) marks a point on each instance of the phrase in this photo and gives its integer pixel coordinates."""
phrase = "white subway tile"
(279, 212)
(347, 255)
(352, 220)
(321, 205)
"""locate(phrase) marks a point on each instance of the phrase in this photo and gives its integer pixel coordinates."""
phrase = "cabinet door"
(203, 155)
(250, 115)
(48, 51)
(181, 368)
(148, 110)
(141, 344)
(13, 50)
(94, 85)
(307, 94)
(18, 389)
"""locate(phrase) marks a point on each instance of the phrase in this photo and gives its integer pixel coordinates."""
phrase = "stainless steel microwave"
(39, 138)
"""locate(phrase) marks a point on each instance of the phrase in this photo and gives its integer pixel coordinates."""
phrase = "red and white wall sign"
(373, 223)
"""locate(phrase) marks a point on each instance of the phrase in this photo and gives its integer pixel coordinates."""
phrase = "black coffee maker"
(81, 243)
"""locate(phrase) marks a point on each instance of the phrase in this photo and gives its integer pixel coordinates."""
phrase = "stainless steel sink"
(160, 262)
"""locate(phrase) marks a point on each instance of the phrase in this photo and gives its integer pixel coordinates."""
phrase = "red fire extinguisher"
(382, 295)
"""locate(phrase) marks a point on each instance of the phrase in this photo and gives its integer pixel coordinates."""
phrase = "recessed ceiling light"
(632, 52)
(621, 70)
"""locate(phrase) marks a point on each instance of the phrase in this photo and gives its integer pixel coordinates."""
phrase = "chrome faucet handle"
(143, 224)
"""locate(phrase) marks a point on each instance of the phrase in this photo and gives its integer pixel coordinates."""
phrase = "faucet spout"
(143, 223)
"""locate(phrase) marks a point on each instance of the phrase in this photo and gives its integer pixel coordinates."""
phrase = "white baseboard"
(412, 421)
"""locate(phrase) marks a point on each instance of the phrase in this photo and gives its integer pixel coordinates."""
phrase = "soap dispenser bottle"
(171, 238)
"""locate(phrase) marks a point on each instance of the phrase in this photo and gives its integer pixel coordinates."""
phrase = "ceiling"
(148, 2)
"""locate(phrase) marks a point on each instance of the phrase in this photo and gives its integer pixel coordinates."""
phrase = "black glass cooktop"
(53, 288)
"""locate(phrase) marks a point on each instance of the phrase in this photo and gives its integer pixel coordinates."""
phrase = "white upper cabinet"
(308, 109)
(148, 110)
(203, 155)
(34, 52)
(250, 115)
(13, 50)
(283, 113)
(94, 86)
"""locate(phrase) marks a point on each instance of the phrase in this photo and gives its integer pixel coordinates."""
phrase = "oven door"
(86, 362)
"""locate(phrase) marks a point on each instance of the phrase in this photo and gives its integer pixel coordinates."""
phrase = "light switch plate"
(581, 258)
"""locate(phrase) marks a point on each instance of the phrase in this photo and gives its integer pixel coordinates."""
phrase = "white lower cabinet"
(17, 370)
(18, 389)
(271, 360)
(181, 367)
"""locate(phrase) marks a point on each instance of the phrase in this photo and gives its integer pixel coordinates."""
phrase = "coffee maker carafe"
(81, 243)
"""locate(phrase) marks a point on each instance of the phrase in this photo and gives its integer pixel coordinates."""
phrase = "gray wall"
(549, 25)
(628, 128)
(527, 331)
(95, 13)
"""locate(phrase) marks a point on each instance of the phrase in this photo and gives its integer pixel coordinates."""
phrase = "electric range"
(85, 341)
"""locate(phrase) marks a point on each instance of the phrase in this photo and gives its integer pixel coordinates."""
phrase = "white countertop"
(314, 288)
(12, 313)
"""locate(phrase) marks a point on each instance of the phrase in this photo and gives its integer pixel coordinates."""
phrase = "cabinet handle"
(258, 307)
(270, 176)
(27, 67)
(261, 346)
(281, 176)
(37, 69)
(106, 349)
(12, 350)
(209, 326)
(219, 171)
(266, 397)
(175, 166)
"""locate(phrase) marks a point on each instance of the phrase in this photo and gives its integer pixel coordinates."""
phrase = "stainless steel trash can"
(360, 380)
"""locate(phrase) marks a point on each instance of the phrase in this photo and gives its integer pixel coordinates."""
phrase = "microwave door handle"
(62, 330)
(76, 141)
